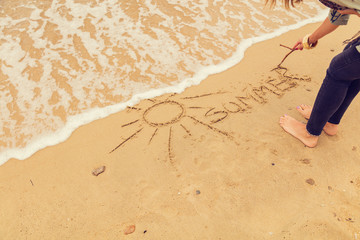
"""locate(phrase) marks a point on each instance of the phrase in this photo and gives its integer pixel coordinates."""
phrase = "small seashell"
(129, 229)
(98, 170)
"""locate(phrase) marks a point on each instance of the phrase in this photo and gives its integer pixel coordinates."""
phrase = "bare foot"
(329, 128)
(298, 130)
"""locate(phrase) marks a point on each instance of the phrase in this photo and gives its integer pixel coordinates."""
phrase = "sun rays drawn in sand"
(168, 114)
(172, 115)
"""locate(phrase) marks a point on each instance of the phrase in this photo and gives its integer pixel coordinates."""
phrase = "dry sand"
(209, 163)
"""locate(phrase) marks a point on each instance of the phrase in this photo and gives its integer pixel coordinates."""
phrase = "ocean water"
(65, 63)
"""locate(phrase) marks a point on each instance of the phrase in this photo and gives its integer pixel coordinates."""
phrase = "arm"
(350, 11)
(325, 28)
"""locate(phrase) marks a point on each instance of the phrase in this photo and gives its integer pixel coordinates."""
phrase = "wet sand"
(209, 163)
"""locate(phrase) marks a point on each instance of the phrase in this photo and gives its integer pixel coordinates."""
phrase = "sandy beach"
(209, 163)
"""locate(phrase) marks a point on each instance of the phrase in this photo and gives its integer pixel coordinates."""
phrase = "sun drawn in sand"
(166, 115)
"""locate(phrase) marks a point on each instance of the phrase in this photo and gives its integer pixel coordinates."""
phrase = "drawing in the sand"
(169, 113)
(172, 115)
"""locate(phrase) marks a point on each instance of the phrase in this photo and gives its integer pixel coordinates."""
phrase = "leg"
(350, 95)
(331, 126)
(353, 90)
(337, 91)
(329, 98)
(344, 69)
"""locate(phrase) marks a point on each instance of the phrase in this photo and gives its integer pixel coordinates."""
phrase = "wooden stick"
(286, 47)
(292, 50)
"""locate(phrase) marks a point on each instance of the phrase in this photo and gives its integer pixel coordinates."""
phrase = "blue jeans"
(339, 88)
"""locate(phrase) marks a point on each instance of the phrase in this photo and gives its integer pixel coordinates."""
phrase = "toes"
(304, 110)
(301, 107)
(283, 119)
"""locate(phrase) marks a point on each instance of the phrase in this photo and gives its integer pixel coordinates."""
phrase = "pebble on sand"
(310, 181)
(129, 229)
(98, 170)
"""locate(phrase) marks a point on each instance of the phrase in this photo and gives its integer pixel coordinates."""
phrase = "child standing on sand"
(341, 83)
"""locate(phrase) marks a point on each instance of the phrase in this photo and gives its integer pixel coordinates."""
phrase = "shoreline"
(74, 122)
(211, 162)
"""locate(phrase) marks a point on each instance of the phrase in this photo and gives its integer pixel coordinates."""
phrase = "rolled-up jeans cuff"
(337, 122)
(312, 133)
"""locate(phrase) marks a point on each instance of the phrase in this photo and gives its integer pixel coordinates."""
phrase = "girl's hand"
(349, 11)
(298, 45)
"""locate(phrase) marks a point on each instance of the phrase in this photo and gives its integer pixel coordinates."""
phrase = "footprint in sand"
(305, 161)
